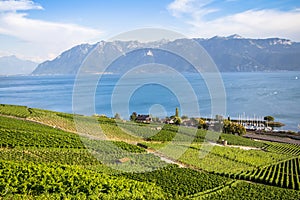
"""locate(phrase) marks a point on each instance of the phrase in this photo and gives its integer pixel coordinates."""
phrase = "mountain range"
(11, 65)
(231, 54)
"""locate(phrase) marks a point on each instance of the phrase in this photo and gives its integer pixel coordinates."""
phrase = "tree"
(202, 124)
(177, 120)
(233, 128)
(269, 118)
(133, 116)
(183, 117)
(117, 116)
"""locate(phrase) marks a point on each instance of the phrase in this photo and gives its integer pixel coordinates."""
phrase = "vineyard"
(248, 191)
(290, 149)
(284, 174)
(61, 181)
(180, 182)
(43, 155)
(14, 132)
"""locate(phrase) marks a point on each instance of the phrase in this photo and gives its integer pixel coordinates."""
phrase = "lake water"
(251, 95)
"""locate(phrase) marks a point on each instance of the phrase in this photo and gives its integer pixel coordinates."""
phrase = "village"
(242, 124)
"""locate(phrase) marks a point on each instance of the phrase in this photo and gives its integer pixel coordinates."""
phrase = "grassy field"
(47, 155)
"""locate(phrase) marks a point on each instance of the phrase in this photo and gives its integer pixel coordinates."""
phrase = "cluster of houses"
(250, 125)
(148, 119)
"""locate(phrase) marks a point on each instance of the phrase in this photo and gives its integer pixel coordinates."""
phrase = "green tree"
(269, 118)
(177, 120)
(117, 116)
(202, 124)
(233, 128)
(183, 117)
(133, 116)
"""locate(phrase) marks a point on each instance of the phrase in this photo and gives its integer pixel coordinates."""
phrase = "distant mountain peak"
(279, 41)
(235, 36)
(231, 53)
(12, 65)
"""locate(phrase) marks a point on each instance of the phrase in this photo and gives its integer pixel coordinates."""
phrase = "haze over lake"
(247, 94)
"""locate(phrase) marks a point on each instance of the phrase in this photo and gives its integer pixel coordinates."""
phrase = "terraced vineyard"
(248, 191)
(284, 174)
(290, 149)
(14, 132)
(42, 157)
(12, 110)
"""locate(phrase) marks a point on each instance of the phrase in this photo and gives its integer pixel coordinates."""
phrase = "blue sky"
(40, 30)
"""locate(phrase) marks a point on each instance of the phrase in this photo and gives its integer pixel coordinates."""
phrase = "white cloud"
(178, 7)
(38, 39)
(12, 5)
(250, 23)
(195, 8)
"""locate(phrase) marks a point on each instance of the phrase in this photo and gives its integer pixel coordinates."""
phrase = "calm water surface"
(247, 94)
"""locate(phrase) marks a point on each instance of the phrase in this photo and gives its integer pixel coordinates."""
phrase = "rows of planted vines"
(225, 159)
(15, 133)
(284, 174)
(55, 119)
(140, 130)
(250, 157)
(241, 141)
(49, 155)
(12, 110)
(44, 162)
(113, 131)
(282, 148)
(212, 162)
(111, 154)
(248, 191)
(180, 182)
(61, 180)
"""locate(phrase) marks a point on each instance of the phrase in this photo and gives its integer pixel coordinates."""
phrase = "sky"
(40, 30)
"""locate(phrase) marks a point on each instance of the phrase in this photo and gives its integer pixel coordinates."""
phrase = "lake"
(248, 95)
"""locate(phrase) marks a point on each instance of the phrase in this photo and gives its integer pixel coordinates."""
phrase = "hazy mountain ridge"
(11, 65)
(66, 63)
(231, 54)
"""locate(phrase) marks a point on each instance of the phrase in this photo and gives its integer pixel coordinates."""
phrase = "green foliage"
(12, 110)
(233, 128)
(48, 163)
(249, 191)
(133, 116)
(117, 116)
(59, 120)
(37, 179)
(14, 132)
(113, 131)
(269, 118)
(202, 124)
(252, 157)
(129, 147)
(176, 120)
(241, 141)
(180, 182)
(183, 117)
(282, 148)
(283, 174)
(49, 155)
(111, 152)
(227, 159)
(212, 162)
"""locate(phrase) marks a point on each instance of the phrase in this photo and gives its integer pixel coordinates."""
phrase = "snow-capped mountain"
(232, 53)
